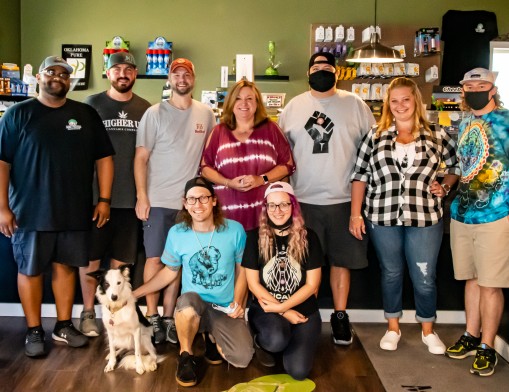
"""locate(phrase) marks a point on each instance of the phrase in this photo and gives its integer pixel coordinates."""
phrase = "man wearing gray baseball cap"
(48, 149)
(480, 219)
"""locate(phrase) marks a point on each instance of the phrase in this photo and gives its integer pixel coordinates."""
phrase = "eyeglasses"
(52, 73)
(203, 200)
(283, 207)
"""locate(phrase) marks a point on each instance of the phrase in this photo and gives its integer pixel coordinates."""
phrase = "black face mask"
(477, 100)
(322, 81)
(283, 227)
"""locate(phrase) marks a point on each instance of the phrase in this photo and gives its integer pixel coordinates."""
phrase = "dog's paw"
(109, 367)
(140, 369)
(152, 366)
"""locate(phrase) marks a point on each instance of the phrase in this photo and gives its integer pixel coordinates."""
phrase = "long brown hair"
(387, 119)
(297, 239)
(228, 117)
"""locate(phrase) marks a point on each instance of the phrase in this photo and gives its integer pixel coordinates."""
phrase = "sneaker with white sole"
(171, 330)
(390, 340)
(69, 334)
(435, 345)
(88, 324)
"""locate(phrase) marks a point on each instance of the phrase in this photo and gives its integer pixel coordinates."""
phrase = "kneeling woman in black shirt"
(283, 262)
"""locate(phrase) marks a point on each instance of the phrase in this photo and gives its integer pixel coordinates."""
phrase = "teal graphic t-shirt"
(208, 260)
(483, 153)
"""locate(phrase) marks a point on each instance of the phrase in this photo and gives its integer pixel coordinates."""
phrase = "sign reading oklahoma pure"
(79, 58)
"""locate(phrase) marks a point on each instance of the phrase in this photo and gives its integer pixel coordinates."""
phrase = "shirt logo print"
(72, 125)
(320, 140)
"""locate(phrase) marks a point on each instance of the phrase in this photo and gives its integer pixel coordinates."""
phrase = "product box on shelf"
(117, 44)
(159, 56)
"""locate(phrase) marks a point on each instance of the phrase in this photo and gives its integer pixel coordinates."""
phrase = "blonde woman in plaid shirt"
(396, 175)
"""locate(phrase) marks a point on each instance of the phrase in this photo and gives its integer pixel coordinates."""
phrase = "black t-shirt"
(121, 119)
(467, 36)
(282, 276)
(52, 152)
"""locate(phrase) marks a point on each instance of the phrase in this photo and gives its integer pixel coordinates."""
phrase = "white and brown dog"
(127, 328)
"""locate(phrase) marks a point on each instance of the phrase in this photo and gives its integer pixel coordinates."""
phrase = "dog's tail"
(129, 362)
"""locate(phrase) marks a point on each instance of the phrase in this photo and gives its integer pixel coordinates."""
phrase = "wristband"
(356, 217)
(446, 190)
(265, 179)
(104, 200)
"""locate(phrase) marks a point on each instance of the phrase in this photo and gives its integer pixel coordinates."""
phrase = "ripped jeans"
(418, 248)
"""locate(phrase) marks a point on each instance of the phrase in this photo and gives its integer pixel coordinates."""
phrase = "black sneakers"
(34, 342)
(212, 356)
(158, 327)
(341, 330)
(171, 330)
(186, 370)
(465, 346)
(485, 361)
(65, 332)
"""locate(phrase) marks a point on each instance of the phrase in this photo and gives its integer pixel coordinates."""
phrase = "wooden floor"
(81, 369)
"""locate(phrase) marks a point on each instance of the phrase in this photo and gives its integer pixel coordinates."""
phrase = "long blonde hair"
(387, 119)
(297, 238)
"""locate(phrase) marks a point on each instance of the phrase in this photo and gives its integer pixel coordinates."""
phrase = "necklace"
(205, 251)
(404, 161)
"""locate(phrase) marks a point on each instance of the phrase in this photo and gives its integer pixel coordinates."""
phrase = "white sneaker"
(390, 340)
(435, 345)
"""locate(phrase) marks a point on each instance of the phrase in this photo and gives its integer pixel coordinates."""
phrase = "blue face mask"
(322, 81)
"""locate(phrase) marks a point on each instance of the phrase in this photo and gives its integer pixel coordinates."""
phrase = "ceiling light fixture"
(374, 52)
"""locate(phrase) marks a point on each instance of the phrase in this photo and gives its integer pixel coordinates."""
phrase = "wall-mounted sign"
(79, 58)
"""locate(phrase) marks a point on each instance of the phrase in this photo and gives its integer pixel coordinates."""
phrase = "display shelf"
(14, 98)
(264, 78)
(146, 76)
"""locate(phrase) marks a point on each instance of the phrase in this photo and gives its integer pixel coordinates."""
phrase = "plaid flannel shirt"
(398, 198)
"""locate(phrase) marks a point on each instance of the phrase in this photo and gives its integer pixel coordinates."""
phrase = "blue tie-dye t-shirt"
(483, 154)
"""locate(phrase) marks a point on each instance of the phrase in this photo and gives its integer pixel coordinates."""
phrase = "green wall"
(211, 32)
(10, 38)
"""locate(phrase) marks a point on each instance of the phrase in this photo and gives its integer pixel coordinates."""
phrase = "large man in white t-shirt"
(324, 127)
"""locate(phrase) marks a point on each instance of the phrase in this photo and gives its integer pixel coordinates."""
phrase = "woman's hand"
(294, 317)
(272, 307)
(357, 227)
(437, 189)
(245, 183)
(238, 312)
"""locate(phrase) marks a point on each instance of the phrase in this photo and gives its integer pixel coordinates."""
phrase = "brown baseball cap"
(184, 63)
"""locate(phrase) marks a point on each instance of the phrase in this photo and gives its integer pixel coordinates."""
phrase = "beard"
(183, 90)
(56, 89)
(123, 86)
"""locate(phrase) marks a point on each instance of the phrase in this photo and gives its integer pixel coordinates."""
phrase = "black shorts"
(331, 223)
(117, 239)
(35, 251)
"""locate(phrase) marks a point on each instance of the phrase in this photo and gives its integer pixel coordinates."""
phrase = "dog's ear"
(125, 270)
(96, 274)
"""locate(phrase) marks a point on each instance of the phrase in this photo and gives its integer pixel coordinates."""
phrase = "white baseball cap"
(279, 186)
(479, 74)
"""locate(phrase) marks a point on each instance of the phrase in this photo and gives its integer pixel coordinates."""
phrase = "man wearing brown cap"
(325, 126)
(48, 149)
(480, 219)
(121, 111)
(169, 143)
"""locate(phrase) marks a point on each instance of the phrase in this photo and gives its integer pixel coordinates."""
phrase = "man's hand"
(101, 214)
(142, 208)
(8, 223)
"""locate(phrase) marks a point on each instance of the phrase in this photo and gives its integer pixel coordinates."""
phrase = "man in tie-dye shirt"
(480, 219)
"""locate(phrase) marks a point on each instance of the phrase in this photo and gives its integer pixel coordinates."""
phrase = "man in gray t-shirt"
(169, 144)
(120, 110)
(324, 127)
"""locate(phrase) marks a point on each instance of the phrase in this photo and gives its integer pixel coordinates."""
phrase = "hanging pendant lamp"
(374, 52)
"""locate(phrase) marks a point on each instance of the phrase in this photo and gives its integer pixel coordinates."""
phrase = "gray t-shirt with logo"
(175, 139)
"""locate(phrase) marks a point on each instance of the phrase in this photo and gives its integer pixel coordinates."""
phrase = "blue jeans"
(418, 248)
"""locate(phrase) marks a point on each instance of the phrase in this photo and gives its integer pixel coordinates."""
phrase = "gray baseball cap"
(121, 58)
(51, 61)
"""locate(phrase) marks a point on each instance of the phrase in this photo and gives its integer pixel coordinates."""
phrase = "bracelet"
(356, 217)
(446, 190)
(226, 184)
(104, 200)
